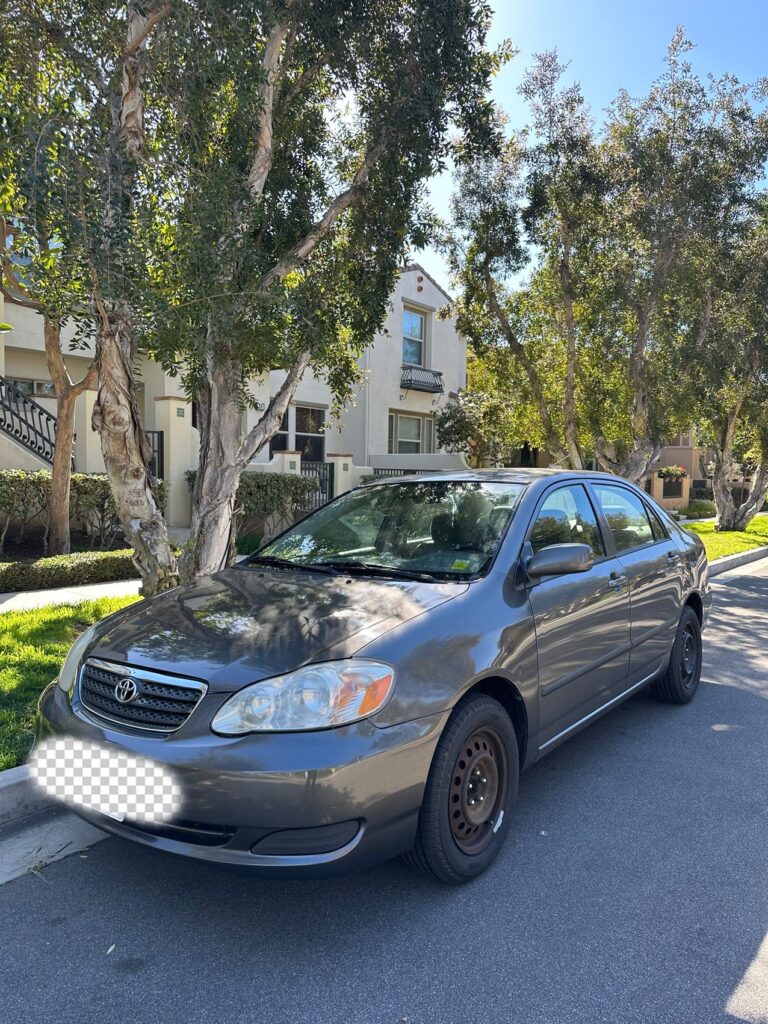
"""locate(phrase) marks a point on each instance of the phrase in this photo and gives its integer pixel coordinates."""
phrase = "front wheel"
(470, 791)
(681, 679)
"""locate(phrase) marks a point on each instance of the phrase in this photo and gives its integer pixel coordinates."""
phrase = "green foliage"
(33, 645)
(75, 570)
(699, 509)
(248, 543)
(268, 501)
(25, 500)
(484, 423)
(622, 230)
(718, 544)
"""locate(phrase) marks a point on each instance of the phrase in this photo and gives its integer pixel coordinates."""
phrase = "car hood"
(250, 623)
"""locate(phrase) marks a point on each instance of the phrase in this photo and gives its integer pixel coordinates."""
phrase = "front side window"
(626, 515)
(566, 516)
(446, 529)
(413, 337)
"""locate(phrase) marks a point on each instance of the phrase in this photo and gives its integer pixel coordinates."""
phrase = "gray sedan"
(373, 681)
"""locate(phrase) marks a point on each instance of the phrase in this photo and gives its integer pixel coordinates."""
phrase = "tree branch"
(261, 161)
(322, 227)
(272, 418)
(152, 19)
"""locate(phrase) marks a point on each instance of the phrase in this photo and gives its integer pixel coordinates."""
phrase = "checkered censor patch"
(97, 778)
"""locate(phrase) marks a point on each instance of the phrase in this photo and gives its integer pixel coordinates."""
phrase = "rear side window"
(566, 516)
(659, 533)
(626, 515)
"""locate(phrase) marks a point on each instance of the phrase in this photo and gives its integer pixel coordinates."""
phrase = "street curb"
(720, 565)
(19, 797)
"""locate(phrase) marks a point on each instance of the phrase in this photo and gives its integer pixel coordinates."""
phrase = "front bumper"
(246, 797)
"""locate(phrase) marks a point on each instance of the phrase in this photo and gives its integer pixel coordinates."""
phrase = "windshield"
(444, 529)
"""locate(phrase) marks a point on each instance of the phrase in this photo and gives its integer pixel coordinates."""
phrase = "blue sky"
(611, 44)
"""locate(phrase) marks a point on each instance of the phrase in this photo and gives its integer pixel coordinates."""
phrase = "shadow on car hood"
(249, 623)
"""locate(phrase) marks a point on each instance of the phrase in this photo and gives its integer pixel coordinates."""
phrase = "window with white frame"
(303, 430)
(414, 332)
(410, 434)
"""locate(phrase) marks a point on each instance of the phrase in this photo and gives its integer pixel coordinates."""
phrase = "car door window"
(626, 515)
(566, 516)
(659, 533)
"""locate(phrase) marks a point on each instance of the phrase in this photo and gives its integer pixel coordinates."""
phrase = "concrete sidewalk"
(21, 600)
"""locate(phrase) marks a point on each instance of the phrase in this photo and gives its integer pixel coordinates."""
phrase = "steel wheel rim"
(689, 657)
(478, 791)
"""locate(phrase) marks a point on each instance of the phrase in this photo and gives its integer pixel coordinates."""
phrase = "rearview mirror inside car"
(558, 559)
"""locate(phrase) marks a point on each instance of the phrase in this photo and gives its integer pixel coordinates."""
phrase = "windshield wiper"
(374, 569)
(286, 563)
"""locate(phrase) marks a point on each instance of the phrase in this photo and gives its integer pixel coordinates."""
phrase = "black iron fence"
(323, 473)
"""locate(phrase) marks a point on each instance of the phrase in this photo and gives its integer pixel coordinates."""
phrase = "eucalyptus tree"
(43, 257)
(675, 160)
(77, 71)
(727, 348)
(293, 141)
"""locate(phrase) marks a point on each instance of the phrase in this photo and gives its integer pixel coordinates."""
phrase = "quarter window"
(413, 337)
(627, 516)
(567, 517)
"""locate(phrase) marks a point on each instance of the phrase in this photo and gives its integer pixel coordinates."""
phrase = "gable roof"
(417, 268)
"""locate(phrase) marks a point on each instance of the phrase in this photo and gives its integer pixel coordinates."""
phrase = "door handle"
(673, 557)
(617, 582)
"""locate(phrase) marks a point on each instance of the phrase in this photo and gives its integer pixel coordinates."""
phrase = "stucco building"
(414, 366)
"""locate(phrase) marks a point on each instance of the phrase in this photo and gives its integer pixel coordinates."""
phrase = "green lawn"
(32, 647)
(731, 542)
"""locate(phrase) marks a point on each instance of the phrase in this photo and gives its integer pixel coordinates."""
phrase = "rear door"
(581, 619)
(651, 562)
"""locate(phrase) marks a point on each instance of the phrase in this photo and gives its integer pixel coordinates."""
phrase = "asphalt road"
(634, 889)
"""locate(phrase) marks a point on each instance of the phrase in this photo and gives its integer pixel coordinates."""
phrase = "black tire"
(459, 835)
(681, 679)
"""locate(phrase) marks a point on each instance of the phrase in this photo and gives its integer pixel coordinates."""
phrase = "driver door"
(582, 620)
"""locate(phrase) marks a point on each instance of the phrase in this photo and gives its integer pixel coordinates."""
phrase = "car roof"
(510, 475)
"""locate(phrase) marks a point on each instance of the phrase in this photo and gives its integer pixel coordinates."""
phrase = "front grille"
(187, 832)
(161, 703)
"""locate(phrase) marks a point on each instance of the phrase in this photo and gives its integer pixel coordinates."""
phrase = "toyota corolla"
(373, 681)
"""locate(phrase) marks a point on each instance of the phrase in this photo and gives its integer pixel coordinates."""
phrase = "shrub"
(700, 492)
(73, 570)
(25, 498)
(699, 510)
(248, 543)
(267, 503)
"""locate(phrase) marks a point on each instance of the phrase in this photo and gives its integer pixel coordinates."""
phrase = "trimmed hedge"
(73, 570)
(25, 500)
(268, 502)
(699, 510)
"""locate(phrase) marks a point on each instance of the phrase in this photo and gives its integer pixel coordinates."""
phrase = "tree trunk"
(61, 474)
(724, 503)
(67, 394)
(729, 515)
(126, 452)
(225, 451)
(569, 410)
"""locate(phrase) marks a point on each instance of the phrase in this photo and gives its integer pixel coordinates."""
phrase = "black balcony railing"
(419, 378)
(26, 421)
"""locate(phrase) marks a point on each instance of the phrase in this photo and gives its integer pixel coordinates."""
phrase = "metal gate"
(323, 473)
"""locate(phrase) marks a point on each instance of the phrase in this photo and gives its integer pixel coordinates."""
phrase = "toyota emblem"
(126, 691)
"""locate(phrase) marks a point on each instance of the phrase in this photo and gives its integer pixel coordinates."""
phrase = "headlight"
(314, 697)
(72, 661)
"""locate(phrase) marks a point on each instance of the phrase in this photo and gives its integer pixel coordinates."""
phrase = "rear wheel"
(470, 791)
(681, 680)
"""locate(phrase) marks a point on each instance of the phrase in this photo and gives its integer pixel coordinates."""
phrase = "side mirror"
(559, 559)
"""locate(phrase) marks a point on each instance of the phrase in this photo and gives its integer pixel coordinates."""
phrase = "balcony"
(419, 378)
